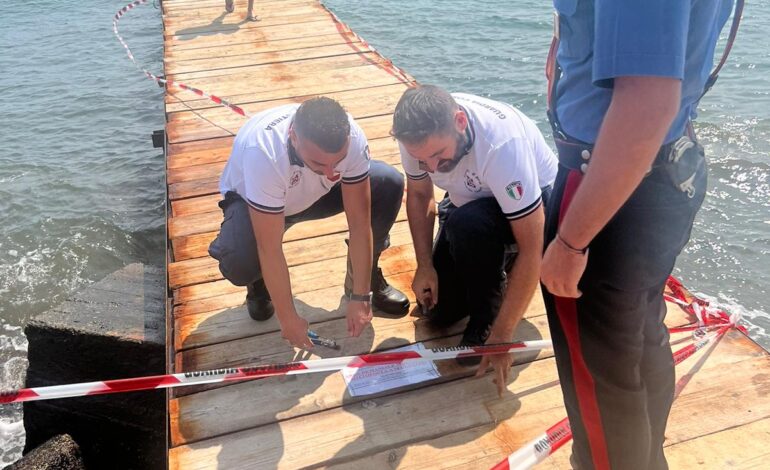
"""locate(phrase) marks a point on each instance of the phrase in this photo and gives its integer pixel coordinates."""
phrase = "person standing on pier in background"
(296, 163)
(497, 170)
(623, 87)
(230, 7)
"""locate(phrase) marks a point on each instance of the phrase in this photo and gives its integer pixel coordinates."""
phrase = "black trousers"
(611, 345)
(473, 246)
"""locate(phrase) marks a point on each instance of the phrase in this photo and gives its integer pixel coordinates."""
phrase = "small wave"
(756, 321)
(13, 357)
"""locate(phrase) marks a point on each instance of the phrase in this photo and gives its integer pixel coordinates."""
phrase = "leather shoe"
(258, 301)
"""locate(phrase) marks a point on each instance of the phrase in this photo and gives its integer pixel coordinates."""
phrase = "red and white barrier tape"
(709, 318)
(388, 65)
(344, 29)
(253, 372)
(164, 81)
(559, 434)
(703, 312)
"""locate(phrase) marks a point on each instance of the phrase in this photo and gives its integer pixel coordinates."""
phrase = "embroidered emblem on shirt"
(515, 190)
(295, 177)
(472, 182)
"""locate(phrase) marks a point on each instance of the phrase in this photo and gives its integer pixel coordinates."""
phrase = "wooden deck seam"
(469, 374)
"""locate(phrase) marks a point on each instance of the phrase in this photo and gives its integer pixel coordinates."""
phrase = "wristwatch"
(361, 297)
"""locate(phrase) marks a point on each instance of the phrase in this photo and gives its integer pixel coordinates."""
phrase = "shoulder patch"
(515, 190)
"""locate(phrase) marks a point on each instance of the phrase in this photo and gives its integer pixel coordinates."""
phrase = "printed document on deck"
(374, 379)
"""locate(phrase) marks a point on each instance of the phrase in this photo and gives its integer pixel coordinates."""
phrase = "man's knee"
(234, 247)
(470, 227)
(239, 270)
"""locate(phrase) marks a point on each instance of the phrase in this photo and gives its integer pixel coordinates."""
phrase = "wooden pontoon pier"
(298, 50)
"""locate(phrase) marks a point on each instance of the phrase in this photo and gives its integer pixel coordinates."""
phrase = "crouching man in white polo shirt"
(304, 162)
(497, 170)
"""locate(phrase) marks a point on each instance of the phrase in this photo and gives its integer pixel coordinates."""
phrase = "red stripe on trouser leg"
(585, 389)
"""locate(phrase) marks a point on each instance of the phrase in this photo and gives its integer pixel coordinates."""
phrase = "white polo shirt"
(270, 177)
(508, 159)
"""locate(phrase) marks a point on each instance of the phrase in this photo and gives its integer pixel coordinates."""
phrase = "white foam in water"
(13, 357)
(752, 319)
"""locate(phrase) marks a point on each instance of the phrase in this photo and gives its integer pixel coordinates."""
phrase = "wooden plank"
(261, 58)
(254, 35)
(484, 446)
(234, 297)
(299, 252)
(231, 79)
(739, 447)
(353, 78)
(230, 323)
(193, 246)
(268, 400)
(207, 328)
(195, 172)
(197, 205)
(223, 23)
(361, 104)
(310, 276)
(195, 188)
(208, 7)
(365, 427)
(208, 53)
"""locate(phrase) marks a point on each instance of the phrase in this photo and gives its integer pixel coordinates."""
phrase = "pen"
(321, 341)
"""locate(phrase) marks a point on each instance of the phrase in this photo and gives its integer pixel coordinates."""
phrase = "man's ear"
(461, 120)
(293, 137)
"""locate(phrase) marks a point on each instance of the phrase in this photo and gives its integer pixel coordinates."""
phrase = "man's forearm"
(522, 282)
(276, 274)
(421, 213)
(631, 134)
(361, 259)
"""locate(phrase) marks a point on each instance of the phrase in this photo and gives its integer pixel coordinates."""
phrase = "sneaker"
(229, 6)
(258, 301)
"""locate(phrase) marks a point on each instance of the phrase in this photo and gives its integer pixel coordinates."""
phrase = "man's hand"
(562, 269)
(294, 330)
(359, 314)
(501, 363)
(425, 286)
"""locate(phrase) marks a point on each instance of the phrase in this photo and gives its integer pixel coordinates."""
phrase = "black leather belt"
(577, 155)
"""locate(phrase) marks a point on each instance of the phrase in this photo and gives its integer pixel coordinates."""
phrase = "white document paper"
(374, 379)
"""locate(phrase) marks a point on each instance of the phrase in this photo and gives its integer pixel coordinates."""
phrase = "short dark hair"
(421, 112)
(324, 122)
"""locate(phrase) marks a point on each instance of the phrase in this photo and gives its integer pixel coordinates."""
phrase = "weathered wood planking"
(296, 52)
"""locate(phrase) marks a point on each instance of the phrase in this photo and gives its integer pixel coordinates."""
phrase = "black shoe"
(258, 301)
(472, 338)
(386, 298)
